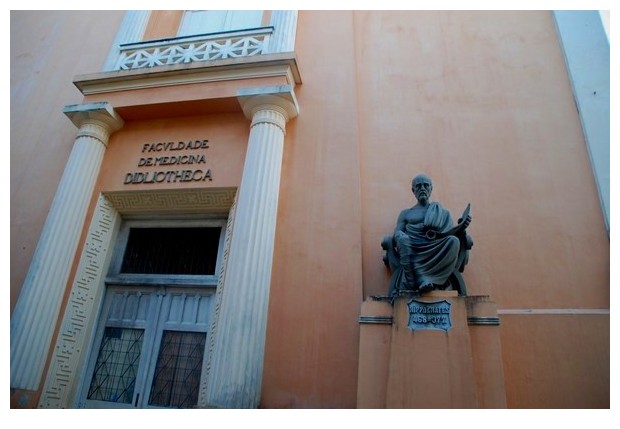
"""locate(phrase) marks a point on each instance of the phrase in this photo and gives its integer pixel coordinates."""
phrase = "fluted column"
(36, 311)
(284, 23)
(236, 366)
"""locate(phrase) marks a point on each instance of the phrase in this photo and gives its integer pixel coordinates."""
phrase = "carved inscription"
(182, 162)
(429, 315)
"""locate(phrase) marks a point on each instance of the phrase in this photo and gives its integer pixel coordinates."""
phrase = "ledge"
(259, 66)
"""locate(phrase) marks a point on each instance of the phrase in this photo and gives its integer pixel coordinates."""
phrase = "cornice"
(259, 66)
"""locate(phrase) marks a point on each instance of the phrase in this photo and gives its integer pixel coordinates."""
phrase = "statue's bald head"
(422, 186)
(421, 178)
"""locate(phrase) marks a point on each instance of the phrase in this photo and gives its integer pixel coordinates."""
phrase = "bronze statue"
(427, 251)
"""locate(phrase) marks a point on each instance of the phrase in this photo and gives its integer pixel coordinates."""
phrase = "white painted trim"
(194, 49)
(131, 30)
(221, 283)
(586, 52)
(261, 66)
(284, 23)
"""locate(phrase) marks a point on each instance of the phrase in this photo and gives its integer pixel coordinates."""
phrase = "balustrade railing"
(184, 50)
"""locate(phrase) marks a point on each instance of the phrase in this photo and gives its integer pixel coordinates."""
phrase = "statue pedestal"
(437, 350)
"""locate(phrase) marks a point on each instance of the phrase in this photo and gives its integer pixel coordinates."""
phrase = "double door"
(150, 348)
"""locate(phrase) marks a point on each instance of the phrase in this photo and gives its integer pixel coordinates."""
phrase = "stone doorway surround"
(88, 288)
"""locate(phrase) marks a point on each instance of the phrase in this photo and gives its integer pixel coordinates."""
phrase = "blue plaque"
(429, 315)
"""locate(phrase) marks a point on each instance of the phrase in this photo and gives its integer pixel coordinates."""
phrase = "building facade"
(198, 201)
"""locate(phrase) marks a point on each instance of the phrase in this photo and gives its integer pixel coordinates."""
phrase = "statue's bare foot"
(427, 287)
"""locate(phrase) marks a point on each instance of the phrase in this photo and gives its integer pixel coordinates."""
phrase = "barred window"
(171, 251)
(117, 365)
(177, 374)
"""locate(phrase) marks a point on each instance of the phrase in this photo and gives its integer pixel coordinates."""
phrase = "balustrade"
(184, 50)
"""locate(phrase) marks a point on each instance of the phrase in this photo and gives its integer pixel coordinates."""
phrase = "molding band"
(279, 65)
(488, 321)
(381, 320)
(576, 311)
(269, 114)
(95, 130)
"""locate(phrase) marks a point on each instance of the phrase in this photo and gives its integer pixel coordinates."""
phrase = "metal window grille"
(172, 251)
(114, 379)
(177, 374)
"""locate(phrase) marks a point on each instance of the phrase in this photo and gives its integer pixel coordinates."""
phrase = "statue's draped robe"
(433, 260)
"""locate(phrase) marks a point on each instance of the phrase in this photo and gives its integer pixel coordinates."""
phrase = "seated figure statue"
(427, 251)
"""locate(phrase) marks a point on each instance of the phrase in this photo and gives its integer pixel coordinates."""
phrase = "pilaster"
(131, 30)
(284, 23)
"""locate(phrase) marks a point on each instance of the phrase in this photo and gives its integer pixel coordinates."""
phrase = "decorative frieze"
(206, 200)
(78, 321)
(221, 283)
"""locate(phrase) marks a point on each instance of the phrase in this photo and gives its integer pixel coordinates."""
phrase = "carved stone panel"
(429, 315)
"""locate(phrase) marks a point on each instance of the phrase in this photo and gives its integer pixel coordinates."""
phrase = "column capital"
(97, 120)
(279, 98)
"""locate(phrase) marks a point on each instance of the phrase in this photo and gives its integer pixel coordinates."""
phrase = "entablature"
(187, 89)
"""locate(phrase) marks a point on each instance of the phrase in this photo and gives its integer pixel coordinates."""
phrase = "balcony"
(193, 49)
(194, 75)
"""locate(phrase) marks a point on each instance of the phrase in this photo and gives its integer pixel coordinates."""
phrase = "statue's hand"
(462, 225)
(465, 222)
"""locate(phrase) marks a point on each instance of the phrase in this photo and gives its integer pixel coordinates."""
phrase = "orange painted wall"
(558, 361)
(47, 49)
(316, 291)
(482, 103)
(227, 135)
